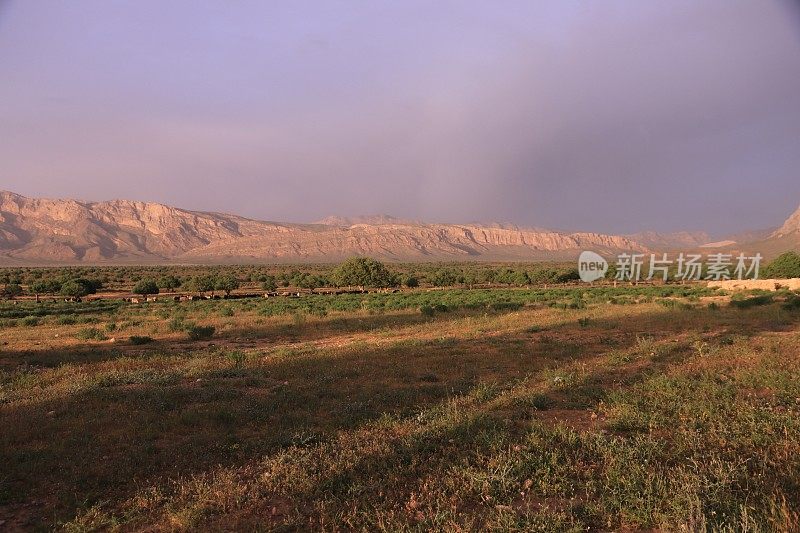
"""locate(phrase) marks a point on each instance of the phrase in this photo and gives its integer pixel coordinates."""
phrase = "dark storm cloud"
(605, 116)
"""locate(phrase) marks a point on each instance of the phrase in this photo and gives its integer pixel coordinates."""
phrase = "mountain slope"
(69, 231)
(791, 227)
(667, 241)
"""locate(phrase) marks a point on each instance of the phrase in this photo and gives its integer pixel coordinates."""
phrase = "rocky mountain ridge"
(44, 231)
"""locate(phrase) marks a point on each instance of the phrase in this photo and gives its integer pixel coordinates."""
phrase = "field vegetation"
(547, 409)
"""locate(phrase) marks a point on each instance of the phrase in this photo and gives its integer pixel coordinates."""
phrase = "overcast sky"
(599, 116)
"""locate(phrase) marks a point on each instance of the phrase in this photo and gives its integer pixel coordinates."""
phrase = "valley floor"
(613, 409)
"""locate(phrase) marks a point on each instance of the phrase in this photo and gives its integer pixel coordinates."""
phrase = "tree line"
(356, 272)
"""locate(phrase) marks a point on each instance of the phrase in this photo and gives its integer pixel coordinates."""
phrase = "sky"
(606, 116)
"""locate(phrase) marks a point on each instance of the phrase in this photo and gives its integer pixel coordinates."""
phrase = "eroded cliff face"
(120, 230)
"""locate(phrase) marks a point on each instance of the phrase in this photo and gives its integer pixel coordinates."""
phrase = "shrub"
(786, 265)
(792, 302)
(197, 333)
(237, 357)
(226, 283)
(48, 286)
(445, 277)
(505, 306)
(146, 287)
(674, 304)
(754, 301)
(140, 339)
(363, 272)
(411, 281)
(268, 283)
(30, 321)
(11, 290)
(79, 287)
(73, 289)
(427, 310)
(168, 283)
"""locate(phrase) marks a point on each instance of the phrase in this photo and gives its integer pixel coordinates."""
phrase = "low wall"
(764, 284)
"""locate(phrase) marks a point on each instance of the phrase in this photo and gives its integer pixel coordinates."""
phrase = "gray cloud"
(612, 117)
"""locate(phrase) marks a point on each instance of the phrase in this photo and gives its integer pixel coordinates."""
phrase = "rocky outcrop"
(68, 231)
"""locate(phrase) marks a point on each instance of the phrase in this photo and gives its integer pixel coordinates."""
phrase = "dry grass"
(609, 417)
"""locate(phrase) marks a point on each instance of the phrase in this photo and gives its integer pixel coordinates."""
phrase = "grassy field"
(522, 409)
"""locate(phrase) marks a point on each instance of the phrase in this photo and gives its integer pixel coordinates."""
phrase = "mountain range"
(43, 231)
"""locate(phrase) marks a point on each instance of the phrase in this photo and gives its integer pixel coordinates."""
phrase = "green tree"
(169, 283)
(411, 281)
(363, 272)
(74, 289)
(786, 265)
(226, 283)
(445, 277)
(568, 274)
(269, 283)
(90, 286)
(145, 287)
(12, 290)
(45, 286)
(203, 284)
(305, 280)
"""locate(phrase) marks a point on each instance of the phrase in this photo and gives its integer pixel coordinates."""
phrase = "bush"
(146, 287)
(30, 321)
(427, 310)
(226, 283)
(197, 333)
(73, 289)
(792, 302)
(268, 283)
(79, 287)
(237, 358)
(445, 277)
(140, 339)
(411, 281)
(786, 265)
(764, 299)
(168, 283)
(363, 272)
(45, 286)
(11, 290)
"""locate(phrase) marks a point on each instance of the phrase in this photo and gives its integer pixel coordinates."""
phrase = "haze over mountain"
(639, 115)
(44, 231)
